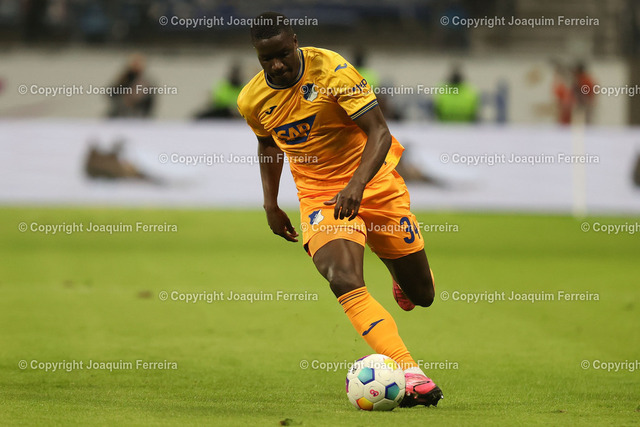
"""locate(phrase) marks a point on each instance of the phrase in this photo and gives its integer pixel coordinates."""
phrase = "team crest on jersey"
(315, 217)
(309, 92)
(296, 132)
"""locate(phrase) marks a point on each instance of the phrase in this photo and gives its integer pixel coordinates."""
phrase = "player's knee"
(426, 294)
(342, 282)
(425, 298)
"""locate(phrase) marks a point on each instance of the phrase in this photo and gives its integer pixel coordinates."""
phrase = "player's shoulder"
(249, 95)
(323, 59)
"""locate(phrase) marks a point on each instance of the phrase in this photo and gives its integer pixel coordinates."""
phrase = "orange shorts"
(384, 220)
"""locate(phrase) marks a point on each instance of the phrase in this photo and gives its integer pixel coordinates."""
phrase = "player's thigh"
(319, 227)
(336, 245)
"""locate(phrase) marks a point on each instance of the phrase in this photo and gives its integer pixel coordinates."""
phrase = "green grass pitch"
(96, 297)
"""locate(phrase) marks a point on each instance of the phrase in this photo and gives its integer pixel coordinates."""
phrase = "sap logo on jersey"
(296, 132)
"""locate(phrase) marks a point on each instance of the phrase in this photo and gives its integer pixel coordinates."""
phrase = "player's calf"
(414, 277)
(422, 296)
(417, 294)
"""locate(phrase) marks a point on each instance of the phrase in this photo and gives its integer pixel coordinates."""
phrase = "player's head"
(276, 45)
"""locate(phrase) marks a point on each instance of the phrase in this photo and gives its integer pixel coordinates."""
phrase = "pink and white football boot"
(420, 390)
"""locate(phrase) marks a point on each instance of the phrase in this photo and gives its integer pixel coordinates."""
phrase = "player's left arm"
(347, 202)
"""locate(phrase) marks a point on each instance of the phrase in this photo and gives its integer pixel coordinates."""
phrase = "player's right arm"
(271, 162)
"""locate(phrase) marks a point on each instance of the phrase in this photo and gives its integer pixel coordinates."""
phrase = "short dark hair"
(270, 24)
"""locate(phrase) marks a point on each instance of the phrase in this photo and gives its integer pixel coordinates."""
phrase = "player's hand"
(280, 224)
(347, 202)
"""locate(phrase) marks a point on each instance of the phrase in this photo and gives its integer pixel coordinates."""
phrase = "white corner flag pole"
(579, 171)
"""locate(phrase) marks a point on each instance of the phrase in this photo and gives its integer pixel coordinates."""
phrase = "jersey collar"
(299, 76)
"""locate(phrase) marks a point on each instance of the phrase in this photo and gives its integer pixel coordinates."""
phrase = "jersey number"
(412, 229)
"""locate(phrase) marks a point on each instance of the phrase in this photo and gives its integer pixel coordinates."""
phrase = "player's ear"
(295, 40)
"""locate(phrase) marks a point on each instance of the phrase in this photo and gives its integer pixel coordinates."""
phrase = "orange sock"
(376, 326)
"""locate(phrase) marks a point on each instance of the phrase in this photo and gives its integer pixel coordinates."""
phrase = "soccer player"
(314, 106)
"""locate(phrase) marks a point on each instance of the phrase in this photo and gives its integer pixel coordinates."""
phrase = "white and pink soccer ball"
(375, 383)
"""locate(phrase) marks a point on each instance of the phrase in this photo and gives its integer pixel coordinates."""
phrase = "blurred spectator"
(502, 101)
(563, 94)
(224, 96)
(583, 90)
(129, 98)
(460, 102)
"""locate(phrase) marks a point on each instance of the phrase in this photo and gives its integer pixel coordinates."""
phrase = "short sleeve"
(351, 90)
(252, 121)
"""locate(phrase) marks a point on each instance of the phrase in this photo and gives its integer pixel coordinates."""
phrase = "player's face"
(279, 58)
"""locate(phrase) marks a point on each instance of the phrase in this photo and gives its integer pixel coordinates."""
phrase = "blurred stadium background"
(520, 92)
(491, 160)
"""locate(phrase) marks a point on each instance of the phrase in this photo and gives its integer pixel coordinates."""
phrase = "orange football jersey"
(312, 120)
